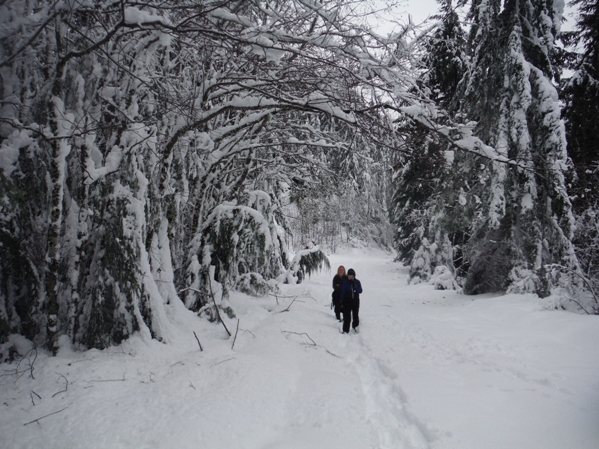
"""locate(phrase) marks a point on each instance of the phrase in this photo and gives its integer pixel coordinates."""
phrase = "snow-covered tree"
(580, 93)
(423, 185)
(523, 222)
(145, 149)
(581, 112)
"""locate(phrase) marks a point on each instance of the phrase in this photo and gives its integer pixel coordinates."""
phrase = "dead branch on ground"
(66, 385)
(300, 334)
(198, 340)
(236, 331)
(45, 416)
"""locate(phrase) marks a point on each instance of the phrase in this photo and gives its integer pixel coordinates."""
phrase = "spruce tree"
(418, 208)
(580, 94)
(581, 111)
(523, 221)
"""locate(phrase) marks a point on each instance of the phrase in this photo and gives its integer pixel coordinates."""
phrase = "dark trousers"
(351, 307)
(337, 304)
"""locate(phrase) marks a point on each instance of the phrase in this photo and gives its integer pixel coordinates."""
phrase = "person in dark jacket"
(350, 297)
(337, 282)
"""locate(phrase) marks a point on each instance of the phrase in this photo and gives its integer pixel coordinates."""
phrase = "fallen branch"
(232, 358)
(45, 416)
(66, 387)
(31, 396)
(78, 361)
(289, 306)
(107, 380)
(198, 340)
(237, 330)
(30, 368)
(215, 305)
(300, 334)
(334, 355)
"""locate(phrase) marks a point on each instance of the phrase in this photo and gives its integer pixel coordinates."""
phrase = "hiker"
(350, 298)
(337, 283)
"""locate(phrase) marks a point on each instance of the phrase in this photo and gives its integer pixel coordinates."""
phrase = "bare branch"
(45, 416)
(198, 340)
(300, 334)
(237, 330)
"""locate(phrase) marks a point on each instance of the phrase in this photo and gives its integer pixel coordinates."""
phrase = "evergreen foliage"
(493, 225)
(423, 185)
(305, 263)
(580, 93)
(525, 219)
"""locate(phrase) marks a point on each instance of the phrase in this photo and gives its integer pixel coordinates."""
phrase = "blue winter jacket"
(350, 289)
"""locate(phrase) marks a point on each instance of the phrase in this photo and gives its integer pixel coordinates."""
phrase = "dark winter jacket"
(350, 289)
(337, 283)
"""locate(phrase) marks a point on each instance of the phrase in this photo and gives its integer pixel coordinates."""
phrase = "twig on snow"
(289, 306)
(217, 311)
(223, 361)
(31, 363)
(215, 305)
(277, 296)
(31, 396)
(198, 340)
(247, 330)
(334, 355)
(237, 330)
(45, 416)
(66, 386)
(300, 334)
(107, 380)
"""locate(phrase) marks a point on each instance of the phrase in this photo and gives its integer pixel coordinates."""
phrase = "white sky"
(388, 20)
(420, 10)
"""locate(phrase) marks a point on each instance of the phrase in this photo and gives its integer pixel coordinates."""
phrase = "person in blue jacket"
(350, 297)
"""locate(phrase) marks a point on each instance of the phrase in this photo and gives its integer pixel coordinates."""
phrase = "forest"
(153, 152)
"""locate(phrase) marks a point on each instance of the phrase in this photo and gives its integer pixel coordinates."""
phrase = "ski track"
(385, 404)
(386, 407)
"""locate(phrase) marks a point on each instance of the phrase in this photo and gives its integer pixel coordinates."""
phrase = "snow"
(140, 17)
(429, 369)
(113, 160)
(9, 150)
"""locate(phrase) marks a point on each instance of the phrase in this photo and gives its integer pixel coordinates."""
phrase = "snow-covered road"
(429, 369)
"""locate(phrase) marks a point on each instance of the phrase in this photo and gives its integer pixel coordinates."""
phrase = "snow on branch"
(305, 262)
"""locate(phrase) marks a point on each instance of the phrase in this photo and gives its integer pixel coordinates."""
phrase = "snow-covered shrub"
(15, 347)
(254, 284)
(575, 289)
(241, 242)
(443, 279)
(428, 256)
(566, 288)
(523, 280)
(586, 241)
